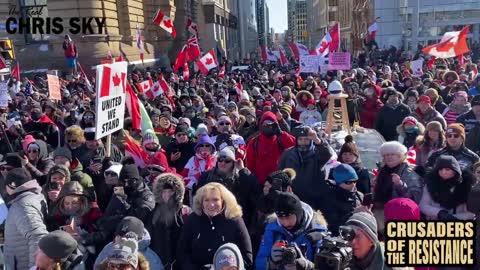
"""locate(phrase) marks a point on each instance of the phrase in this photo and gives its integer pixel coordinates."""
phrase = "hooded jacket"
(370, 109)
(233, 249)
(341, 207)
(77, 174)
(46, 188)
(24, 226)
(40, 170)
(263, 154)
(198, 164)
(275, 232)
(408, 138)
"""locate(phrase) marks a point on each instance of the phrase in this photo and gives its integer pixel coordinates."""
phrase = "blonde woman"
(216, 220)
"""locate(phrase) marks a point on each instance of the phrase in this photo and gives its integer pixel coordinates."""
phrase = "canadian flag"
(192, 27)
(119, 58)
(330, 42)
(221, 74)
(186, 72)
(109, 55)
(283, 58)
(16, 72)
(2, 63)
(452, 44)
(207, 62)
(268, 55)
(145, 86)
(165, 22)
(189, 52)
(372, 31)
(113, 79)
(298, 49)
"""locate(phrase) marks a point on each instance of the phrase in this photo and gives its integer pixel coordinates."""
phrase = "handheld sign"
(339, 61)
(111, 86)
(308, 64)
(54, 87)
(4, 94)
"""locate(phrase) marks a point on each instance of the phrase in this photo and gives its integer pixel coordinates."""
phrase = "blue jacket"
(275, 232)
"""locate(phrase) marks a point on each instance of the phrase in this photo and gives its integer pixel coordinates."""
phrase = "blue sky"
(278, 15)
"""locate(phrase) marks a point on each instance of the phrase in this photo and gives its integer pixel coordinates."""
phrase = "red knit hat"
(311, 102)
(425, 98)
(410, 120)
(401, 209)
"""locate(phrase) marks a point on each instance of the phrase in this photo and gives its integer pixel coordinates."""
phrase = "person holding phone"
(180, 150)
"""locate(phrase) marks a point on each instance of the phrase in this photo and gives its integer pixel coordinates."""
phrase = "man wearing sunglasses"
(227, 136)
(455, 147)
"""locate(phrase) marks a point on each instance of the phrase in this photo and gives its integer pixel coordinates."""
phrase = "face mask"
(130, 185)
(35, 116)
(268, 130)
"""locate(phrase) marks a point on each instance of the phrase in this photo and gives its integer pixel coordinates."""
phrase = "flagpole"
(109, 145)
(6, 138)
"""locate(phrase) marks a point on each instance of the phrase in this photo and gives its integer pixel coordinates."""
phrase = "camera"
(335, 252)
(289, 254)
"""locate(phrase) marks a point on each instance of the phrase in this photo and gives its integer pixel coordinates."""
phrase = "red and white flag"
(186, 72)
(135, 151)
(452, 44)
(159, 87)
(192, 27)
(145, 86)
(165, 22)
(298, 49)
(109, 55)
(192, 49)
(16, 72)
(372, 31)
(207, 62)
(2, 63)
(180, 60)
(139, 42)
(119, 58)
(283, 58)
(221, 74)
(268, 55)
(113, 80)
(330, 42)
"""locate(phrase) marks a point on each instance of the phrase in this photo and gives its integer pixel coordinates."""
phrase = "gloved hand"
(444, 215)
(276, 254)
(301, 262)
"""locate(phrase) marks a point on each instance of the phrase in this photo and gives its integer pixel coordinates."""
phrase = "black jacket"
(465, 157)
(202, 236)
(342, 205)
(389, 118)
(49, 130)
(363, 183)
(244, 186)
(187, 150)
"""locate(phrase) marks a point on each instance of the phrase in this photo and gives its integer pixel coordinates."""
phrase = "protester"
(391, 115)
(409, 131)
(349, 154)
(124, 255)
(180, 150)
(425, 113)
(228, 257)
(37, 161)
(432, 141)
(58, 250)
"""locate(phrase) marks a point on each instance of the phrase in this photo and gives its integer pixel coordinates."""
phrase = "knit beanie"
(288, 204)
(475, 100)
(412, 93)
(456, 128)
(58, 245)
(449, 162)
(424, 98)
(17, 177)
(27, 141)
(62, 152)
(227, 152)
(129, 171)
(124, 251)
(286, 108)
(201, 130)
(349, 147)
(181, 128)
(13, 159)
(365, 222)
(410, 120)
(149, 137)
(393, 147)
(390, 91)
(130, 224)
(432, 92)
(280, 180)
(401, 209)
(343, 173)
(90, 133)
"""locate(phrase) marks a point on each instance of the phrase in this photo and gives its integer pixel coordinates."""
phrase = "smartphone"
(118, 191)
(367, 199)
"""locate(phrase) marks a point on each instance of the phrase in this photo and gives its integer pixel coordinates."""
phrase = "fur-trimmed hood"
(143, 263)
(450, 73)
(173, 180)
(311, 217)
(300, 95)
(401, 129)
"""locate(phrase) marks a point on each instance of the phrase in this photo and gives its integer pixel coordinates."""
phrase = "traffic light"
(6, 49)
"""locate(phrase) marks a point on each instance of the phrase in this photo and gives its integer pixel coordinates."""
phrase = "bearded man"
(168, 217)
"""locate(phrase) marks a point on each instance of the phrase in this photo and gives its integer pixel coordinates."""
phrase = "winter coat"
(244, 185)
(24, 226)
(40, 170)
(369, 109)
(310, 117)
(439, 105)
(452, 112)
(363, 184)
(385, 190)
(389, 117)
(263, 154)
(77, 174)
(465, 157)
(429, 116)
(143, 248)
(202, 236)
(309, 184)
(408, 138)
(376, 258)
(192, 171)
(469, 121)
(165, 136)
(85, 155)
(342, 205)
(46, 127)
(456, 199)
(186, 150)
(424, 151)
(276, 232)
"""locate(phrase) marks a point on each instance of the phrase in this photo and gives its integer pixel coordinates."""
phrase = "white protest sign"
(111, 86)
(339, 61)
(4, 97)
(308, 64)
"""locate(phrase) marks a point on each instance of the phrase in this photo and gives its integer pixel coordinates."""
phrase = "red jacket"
(264, 160)
(370, 108)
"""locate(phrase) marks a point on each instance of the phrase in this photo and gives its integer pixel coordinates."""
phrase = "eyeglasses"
(6, 168)
(112, 174)
(88, 117)
(350, 182)
(32, 151)
(453, 136)
(71, 141)
(224, 124)
(225, 160)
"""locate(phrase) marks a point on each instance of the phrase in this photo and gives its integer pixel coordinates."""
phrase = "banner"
(111, 87)
(308, 64)
(54, 87)
(4, 97)
(339, 61)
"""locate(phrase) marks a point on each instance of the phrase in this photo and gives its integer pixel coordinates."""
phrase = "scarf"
(209, 160)
(459, 109)
(412, 130)
(365, 262)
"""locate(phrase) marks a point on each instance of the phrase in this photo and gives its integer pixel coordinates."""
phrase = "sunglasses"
(224, 124)
(453, 136)
(6, 168)
(225, 160)
(350, 182)
(112, 174)
(204, 145)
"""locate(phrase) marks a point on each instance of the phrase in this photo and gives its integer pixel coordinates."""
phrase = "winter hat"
(13, 160)
(17, 177)
(473, 202)
(149, 137)
(365, 222)
(61, 169)
(27, 141)
(185, 121)
(62, 152)
(475, 100)
(287, 204)
(58, 245)
(204, 140)
(401, 209)
(201, 130)
(432, 92)
(349, 147)
(228, 255)
(227, 152)
(410, 120)
(456, 128)
(434, 125)
(449, 162)
(124, 251)
(130, 224)
(181, 128)
(391, 92)
(115, 168)
(90, 133)
(166, 115)
(393, 147)
(286, 108)
(343, 173)
(425, 98)
(129, 171)
(284, 178)
(412, 93)
(310, 102)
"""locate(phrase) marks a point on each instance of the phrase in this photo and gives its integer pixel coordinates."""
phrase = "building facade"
(297, 21)
(408, 23)
(248, 28)
(317, 21)
(262, 21)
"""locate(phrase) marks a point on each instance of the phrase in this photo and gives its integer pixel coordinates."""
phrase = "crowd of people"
(235, 170)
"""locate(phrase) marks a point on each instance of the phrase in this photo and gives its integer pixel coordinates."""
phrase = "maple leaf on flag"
(209, 61)
(116, 80)
(168, 23)
(156, 87)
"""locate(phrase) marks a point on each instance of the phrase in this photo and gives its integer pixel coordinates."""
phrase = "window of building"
(35, 9)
